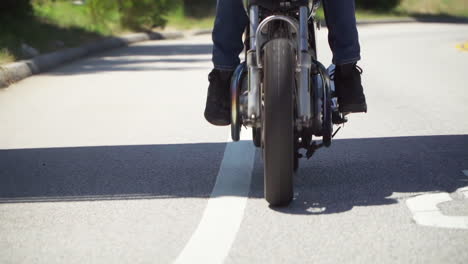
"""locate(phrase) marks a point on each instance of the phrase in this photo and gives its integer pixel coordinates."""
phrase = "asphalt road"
(109, 160)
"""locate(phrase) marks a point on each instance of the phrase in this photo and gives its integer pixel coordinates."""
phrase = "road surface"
(109, 160)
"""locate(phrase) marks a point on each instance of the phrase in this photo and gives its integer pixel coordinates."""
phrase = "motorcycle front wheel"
(278, 121)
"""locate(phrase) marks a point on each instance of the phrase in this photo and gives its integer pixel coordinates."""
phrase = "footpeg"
(312, 148)
(338, 118)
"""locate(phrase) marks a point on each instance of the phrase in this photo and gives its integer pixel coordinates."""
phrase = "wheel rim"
(236, 82)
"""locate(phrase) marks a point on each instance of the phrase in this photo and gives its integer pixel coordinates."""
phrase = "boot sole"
(353, 108)
(218, 121)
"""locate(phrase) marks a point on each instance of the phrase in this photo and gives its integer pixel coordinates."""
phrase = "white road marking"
(425, 211)
(213, 238)
(464, 190)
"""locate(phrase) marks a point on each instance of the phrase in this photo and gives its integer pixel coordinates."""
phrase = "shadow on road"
(439, 18)
(375, 172)
(353, 172)
(140, 58)
(165, 50)
(109, 172)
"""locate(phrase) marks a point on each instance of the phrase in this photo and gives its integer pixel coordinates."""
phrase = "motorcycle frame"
(300, 28)
(313, 84)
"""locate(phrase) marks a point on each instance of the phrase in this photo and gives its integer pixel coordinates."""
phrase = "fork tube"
(253, 101)
(303, 28)
(304, 109)
(254, 20)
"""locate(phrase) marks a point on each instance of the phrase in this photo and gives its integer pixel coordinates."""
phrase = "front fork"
(254, 78)
(304, 110)
(303, 68)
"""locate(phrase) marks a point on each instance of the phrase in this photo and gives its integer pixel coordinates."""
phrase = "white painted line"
(213, 238)
(437, 219)
(425, 211)
(427, 202)
(464, 190)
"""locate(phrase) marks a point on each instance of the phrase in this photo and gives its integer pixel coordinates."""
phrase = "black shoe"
(218, 101)
(349, 89)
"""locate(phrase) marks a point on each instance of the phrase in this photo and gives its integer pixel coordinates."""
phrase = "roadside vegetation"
(48, 25)
(179, 19)
(200, 13)
(457, 8)
(29, 27)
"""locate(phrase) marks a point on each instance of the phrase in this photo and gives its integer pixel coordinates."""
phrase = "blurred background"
(32, 27)
(109, 159)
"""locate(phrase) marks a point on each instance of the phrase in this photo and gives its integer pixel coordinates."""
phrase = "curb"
(414, 19)
(17, 71)
(386, 21)
(201, 32)
(363, 22)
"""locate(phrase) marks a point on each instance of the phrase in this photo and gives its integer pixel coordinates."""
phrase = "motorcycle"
(282, 92)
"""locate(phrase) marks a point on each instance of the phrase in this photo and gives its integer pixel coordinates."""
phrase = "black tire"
(257, 136)
(327, 122)
(278, 125)
(296, 162)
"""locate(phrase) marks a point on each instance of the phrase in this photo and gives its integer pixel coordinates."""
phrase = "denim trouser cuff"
(346, 61)
(231, 20)
(225, 68)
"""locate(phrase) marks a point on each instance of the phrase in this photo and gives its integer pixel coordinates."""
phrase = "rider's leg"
(344, 43)
(230, 24)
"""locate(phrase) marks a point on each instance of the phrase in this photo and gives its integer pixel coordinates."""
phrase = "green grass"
(370, 14)
(62, 22)
(53, 24)
(40, 34)
(457, 8)
(407, 8)
(177, 20)
(5, 56)
(65, 14)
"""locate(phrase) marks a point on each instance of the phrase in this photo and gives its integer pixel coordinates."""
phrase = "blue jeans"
(231, 22)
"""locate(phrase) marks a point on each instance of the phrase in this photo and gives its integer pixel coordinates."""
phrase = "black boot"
(218, 101)
(349, 89)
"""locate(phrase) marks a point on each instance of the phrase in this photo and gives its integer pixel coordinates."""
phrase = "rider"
(230, 22)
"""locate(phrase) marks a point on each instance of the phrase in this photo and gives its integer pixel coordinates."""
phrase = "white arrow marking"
(425, 211)
(464, 190)
(212, 240)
